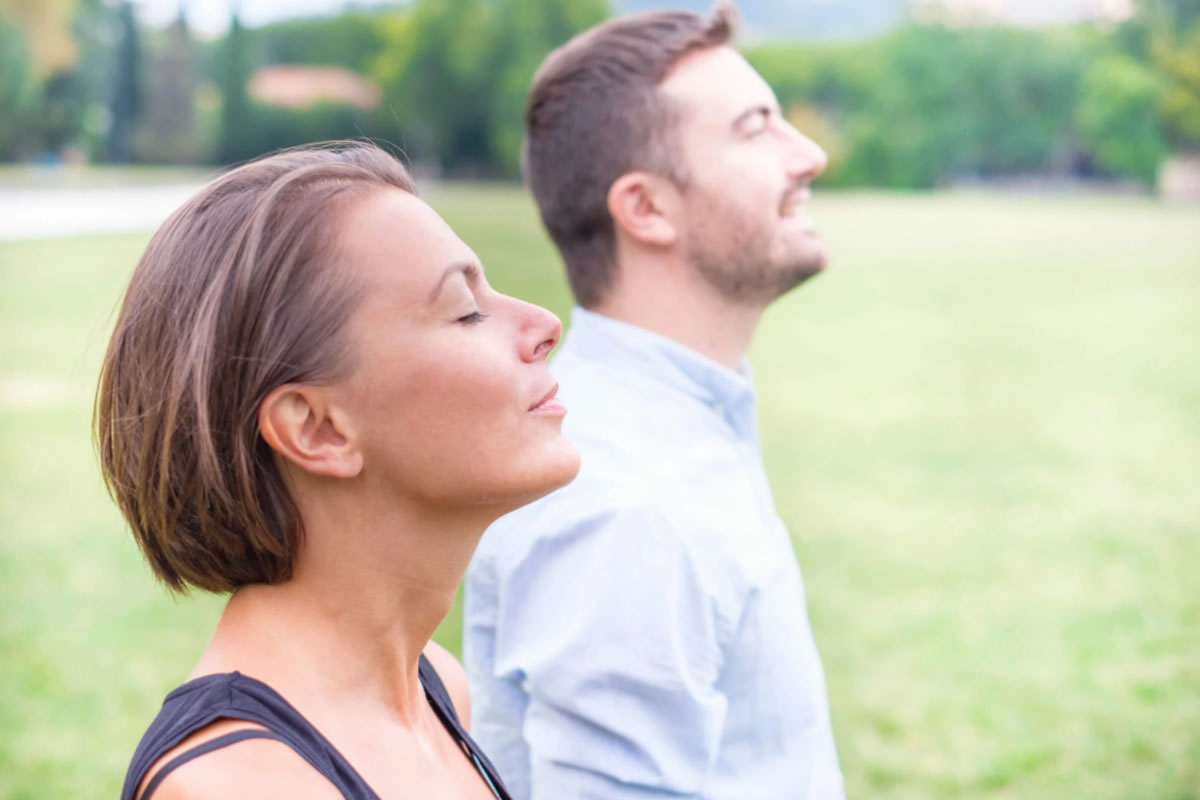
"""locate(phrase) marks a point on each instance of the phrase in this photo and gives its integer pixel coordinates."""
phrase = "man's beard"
(736, 259)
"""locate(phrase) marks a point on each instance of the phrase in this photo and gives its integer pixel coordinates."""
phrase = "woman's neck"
(370, 586)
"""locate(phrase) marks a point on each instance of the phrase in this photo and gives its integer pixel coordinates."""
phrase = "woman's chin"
(567, 468)
(555, 470)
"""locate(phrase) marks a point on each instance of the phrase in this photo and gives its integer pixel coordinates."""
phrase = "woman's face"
(450, 398)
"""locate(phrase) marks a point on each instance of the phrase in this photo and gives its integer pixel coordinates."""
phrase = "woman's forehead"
(393, 236)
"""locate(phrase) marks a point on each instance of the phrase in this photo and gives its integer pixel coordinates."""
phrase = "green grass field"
(983, 427)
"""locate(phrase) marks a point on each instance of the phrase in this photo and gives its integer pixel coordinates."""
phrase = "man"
(643, 633)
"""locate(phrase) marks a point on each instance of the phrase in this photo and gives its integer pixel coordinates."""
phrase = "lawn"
(982, 426)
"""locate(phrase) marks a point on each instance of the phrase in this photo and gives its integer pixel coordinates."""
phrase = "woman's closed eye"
(474, 318)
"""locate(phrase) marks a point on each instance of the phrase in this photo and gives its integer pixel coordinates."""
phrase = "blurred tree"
(833, 77)
(166, 134)
(1117, 117)
(437, 86)
(276, 127)
(1179, 15)
(1019, 97)
(524, 34)
(1174, 44)
(97, 31)
(18, 92)
(455, 74)
(127, 87)
(926, 104)
(47, 27)
(352, 39)
(912, 128)
(917, 107)
(57, 43)
(1178, 56)
(236, 114)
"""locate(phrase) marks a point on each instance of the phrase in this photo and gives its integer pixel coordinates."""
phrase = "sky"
(212, 16)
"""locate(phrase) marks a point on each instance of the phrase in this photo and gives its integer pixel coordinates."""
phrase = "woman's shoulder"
(248, 768)
(222, 735)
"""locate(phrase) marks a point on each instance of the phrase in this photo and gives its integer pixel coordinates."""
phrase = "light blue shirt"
(642, 633)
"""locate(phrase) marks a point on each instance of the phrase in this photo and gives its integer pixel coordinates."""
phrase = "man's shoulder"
(589, 503)
(612, 522)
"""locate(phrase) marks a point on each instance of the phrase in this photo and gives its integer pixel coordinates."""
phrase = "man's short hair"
(239, 292)
(594, 113)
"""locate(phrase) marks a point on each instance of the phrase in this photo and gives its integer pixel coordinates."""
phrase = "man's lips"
(793, 201)
(549, 401)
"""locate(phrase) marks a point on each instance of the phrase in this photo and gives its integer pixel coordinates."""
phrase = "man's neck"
(688, 312)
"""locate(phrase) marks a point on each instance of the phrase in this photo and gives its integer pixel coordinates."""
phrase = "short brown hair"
(593, 115)
(235, 295)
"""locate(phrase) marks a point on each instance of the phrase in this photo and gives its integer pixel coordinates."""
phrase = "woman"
(313, 400)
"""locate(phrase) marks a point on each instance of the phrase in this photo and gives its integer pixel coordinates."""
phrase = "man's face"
(748, 169)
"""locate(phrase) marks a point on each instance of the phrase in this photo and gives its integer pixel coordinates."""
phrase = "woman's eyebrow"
(469, 269)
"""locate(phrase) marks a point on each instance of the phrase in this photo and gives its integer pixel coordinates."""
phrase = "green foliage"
(1178, 56)
(1020, 89)
(456, 73)
(925, 104)
(1165, 37)
(95, 29)
(234, 74)
(352, 40)
(913, 126)
(18, 92)
(60, 111)
(1178, 15)
(272, 127)
(439, 87)
(1117, 117)
(127, 87)
(525, 33)
(59, 101)
(917, 107)
(168, 132)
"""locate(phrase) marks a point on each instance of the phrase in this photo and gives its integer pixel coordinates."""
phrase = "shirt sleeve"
(618, 635)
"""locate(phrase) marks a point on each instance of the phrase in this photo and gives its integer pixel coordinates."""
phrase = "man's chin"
(808, 261)
(800, 271)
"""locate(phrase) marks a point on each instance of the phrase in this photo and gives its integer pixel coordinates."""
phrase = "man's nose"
(805, 158)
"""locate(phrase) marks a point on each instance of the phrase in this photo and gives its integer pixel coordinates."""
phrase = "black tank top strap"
(439, 698)
(203, 701)
(200, 749)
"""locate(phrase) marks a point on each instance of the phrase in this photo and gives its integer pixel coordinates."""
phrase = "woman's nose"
(540, 332)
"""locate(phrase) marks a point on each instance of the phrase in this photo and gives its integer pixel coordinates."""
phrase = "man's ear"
(645, 208)
(300, 424)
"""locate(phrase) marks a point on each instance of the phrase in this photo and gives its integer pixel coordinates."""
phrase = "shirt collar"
(629, 347)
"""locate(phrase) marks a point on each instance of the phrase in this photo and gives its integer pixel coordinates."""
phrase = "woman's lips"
(549, 404)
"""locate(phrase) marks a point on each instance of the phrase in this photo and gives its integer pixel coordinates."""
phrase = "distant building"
(1179, 178)
(1031, 13)
(299, 87)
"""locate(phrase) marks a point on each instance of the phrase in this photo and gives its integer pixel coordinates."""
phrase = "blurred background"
(982, 425)
(902, 93)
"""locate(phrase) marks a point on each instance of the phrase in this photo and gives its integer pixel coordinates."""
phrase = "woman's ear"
(300, 424)
(644, 207)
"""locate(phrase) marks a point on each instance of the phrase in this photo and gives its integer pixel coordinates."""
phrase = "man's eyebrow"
(761, 108)
(469, 270)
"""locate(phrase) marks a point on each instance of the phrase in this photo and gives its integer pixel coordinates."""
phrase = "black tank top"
(199, 703)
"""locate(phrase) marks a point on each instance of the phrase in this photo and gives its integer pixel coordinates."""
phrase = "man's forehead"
(716, 82)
